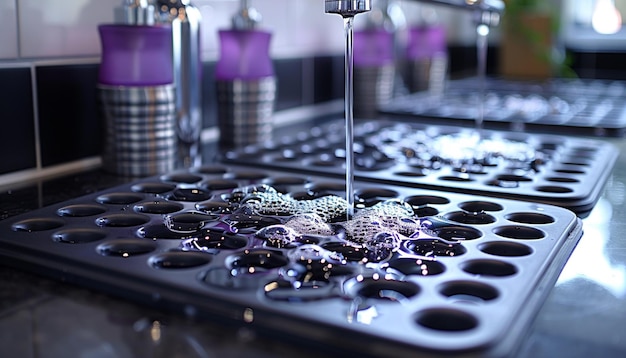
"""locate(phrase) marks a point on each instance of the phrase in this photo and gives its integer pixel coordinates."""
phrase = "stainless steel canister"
(373, 87)
(140, 129)
(245, 110)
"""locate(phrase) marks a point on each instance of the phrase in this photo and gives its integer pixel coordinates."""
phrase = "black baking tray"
(592, 107)
(445, 274)
(560, 170)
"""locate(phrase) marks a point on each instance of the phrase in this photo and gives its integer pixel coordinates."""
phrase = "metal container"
(245, 111)
(137, 93)
(140, 134)
(373, 88)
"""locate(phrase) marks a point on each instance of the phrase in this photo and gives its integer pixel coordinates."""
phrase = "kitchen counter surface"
(584, 315)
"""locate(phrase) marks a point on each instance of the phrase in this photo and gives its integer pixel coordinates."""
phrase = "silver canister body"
(428, 74)
(245, 111)
(373, 88)
(140, 129)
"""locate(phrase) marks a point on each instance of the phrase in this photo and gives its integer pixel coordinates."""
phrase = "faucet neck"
(135, 12)
(347, 8)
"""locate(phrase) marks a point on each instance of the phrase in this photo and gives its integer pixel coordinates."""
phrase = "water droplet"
(190, 194)
(284, 290)
(158, 207)
(382, 246)
(350, 252)
(215, 207)
(435, 247)
(279, 236)
(216, 239)
(245, 217)
(188, 221)
(417, 266)
(253, 260)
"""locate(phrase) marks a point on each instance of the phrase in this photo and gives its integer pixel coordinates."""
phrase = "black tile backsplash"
(209, 100)
(604, 65)
(70, 126)
(289, 91)
(328, 78)
(17, 137)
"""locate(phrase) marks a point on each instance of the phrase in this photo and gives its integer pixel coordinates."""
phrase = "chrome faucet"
(185, 20)
(486, 12)
(348, 8)
(247, 17)
(486, 5)
(135, 12)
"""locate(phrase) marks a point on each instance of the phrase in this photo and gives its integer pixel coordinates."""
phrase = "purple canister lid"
(244, 54)
(373, 47)
(426, 41)
(134, 55)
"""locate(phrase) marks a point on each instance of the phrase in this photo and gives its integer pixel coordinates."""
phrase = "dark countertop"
(584, 315)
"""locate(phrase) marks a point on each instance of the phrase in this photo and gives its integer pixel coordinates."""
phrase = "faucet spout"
(488, 12)
(247, 18)
(348, 8)
(485, 5)
(135, 12)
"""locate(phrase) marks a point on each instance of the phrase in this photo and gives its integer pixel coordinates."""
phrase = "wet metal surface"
(584, 314)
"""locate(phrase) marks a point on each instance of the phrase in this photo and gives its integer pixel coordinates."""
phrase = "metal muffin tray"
(559, 170)
(575, 106)
(413, 273)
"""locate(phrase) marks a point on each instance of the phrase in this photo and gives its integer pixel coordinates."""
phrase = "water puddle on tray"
(305, 248)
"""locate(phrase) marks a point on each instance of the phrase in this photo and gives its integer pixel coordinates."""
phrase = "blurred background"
(50, 51)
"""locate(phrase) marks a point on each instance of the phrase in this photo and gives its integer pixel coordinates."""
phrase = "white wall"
(33, 29)
(8, 29)
(36, 29)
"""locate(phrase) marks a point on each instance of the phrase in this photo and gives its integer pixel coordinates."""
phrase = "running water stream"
(348, 9)
(482, 32)
(349, 112)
